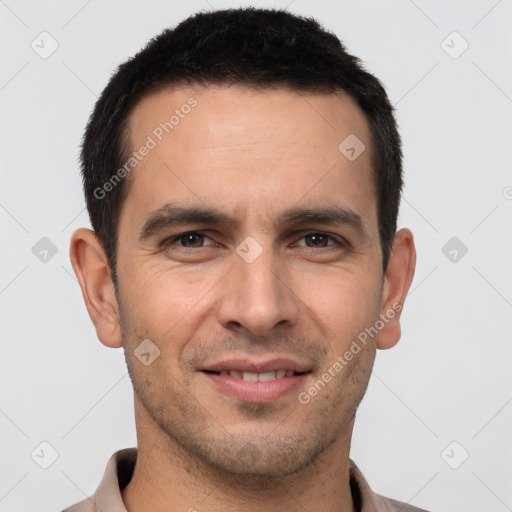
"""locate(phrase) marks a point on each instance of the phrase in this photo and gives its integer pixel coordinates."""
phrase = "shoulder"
(366, 500)
(107, 496)
(86, 505)
(391, 505)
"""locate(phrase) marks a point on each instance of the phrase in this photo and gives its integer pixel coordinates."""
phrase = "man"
(243, 177)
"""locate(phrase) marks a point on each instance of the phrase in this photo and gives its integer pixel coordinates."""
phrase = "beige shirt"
(119, 471)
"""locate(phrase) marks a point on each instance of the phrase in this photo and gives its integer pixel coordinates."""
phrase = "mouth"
(256, 377)
(257, 381)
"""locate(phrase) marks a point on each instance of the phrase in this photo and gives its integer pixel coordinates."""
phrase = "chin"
(273, 456)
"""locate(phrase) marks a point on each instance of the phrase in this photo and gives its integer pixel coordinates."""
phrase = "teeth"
(255, 377)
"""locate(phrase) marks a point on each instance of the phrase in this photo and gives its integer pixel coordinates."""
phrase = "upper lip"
(251, 365)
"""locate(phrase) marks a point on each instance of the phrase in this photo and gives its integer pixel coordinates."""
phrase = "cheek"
(345, 302)
(165, 304)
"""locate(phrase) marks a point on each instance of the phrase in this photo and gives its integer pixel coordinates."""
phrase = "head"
(255, 134)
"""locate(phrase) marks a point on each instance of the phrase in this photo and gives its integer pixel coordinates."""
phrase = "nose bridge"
(260, 277)
(256, 296)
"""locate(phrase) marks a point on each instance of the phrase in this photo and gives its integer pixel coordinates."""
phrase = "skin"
(253, 155)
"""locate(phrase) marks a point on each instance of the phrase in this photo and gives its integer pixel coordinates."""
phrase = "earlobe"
(397, 281)
(93, 273)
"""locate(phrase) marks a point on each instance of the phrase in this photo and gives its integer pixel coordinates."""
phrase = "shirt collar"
(121, 465)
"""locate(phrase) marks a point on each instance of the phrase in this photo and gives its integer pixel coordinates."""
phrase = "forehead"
(243, 147)
(244, 113)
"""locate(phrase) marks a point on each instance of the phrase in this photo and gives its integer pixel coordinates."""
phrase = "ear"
(93, 273)
(398, 278)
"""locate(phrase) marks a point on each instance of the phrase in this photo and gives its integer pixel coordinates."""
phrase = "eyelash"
(169, 241)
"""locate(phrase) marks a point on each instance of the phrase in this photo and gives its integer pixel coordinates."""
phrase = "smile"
(258, 377)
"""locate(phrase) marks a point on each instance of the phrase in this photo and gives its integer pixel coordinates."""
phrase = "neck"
(168, 478)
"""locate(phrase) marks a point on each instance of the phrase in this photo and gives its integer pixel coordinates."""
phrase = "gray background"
(449, 378)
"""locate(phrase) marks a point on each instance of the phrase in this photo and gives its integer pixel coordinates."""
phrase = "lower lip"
(256, 392)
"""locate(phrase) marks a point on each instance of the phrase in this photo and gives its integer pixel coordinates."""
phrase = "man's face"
(262, 290)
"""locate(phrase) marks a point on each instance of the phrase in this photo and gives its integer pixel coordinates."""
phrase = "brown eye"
(190, 240)
(319, 240)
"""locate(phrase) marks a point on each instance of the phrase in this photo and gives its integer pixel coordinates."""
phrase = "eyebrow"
(172, 216)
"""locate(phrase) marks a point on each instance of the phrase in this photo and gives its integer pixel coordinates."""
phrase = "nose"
(257, 296)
